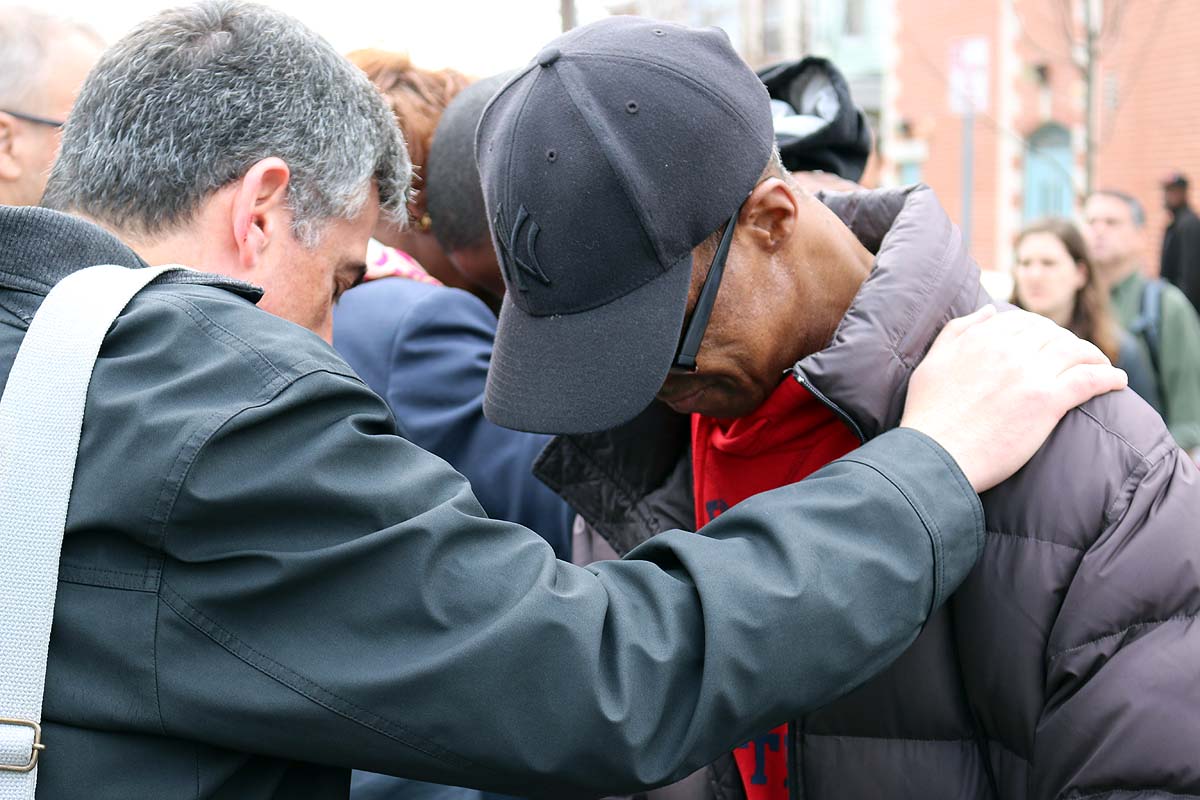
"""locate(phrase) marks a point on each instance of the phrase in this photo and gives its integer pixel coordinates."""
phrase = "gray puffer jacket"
(1068, 663)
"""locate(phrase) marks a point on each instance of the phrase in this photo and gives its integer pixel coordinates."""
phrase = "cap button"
(548, 56)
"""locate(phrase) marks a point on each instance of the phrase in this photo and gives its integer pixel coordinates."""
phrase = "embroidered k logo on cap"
(621, 147)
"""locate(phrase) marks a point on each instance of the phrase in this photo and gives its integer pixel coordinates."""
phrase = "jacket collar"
(923, 277)
(39, 247)
(635, 480)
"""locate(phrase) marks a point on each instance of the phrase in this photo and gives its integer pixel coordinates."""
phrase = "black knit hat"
(817, 125)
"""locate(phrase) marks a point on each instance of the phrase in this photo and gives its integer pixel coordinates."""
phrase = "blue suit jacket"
(425, 349)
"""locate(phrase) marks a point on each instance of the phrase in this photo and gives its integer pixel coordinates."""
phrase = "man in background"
(1181, 242)
(43, 61)
(1154, 310)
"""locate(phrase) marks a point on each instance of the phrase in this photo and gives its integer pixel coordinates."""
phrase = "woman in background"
(417, 97)
(1054, 277)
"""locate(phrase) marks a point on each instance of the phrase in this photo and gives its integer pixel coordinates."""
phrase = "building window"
(856, 18)
(1049, 174)
(910, 172)
(772, 28)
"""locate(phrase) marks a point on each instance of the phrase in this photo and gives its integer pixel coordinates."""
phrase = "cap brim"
(588, 371)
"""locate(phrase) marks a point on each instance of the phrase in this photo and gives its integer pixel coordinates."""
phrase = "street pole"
(567, 11)
(1091, 33)
(805, 27)
(968, 173)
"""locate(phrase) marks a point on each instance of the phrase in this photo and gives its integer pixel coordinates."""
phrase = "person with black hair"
(454, 198)
(1181, 241)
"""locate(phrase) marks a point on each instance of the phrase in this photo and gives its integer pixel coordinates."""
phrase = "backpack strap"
(41, 417)
(1148, 324)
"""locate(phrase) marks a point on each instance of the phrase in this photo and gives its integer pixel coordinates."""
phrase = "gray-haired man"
(261, 584)
(43, 60)
(1156, 311)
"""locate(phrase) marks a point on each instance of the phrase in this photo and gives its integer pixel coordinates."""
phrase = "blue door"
(1049, 174)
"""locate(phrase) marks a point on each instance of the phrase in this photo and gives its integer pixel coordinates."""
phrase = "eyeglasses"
(685, 359)
(53, 123)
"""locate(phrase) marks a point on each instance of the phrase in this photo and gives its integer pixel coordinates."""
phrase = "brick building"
(1023, 59)
(849, 32)
(914, 64)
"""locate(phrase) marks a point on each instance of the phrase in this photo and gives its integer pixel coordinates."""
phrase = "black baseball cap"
(622, 146)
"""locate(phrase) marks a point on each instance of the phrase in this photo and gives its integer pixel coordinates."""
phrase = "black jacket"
(1181, 254)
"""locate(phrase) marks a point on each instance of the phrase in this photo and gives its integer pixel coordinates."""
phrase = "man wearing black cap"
(1181, 242)
(654, 245)
(262, 585)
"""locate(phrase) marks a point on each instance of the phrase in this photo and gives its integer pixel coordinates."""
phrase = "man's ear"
(770, 214)
(259, 210)
(10, 166)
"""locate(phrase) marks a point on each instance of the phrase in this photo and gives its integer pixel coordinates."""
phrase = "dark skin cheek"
(479, 268)
(742, 384)
(741, 362)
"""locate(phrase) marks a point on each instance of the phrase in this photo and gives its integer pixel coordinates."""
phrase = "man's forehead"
(1104, 205)
(346, 239)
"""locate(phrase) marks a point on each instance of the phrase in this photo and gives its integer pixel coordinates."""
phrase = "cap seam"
(512, 154)
(487, 109)
(642, 212)
(667, 68)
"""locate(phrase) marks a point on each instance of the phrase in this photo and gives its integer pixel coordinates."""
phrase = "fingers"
(959, 325)
(1010, 332)
(1031, 332)
(1065, 350)
(1082, 382)
(1033, 336)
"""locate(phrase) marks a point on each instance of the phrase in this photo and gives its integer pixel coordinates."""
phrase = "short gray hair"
(1136, 213)
(26, 37)
(191, 99)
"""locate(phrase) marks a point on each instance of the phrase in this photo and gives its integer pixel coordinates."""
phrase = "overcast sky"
(479, 37)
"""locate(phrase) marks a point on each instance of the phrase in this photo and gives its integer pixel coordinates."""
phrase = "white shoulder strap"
(41, 415)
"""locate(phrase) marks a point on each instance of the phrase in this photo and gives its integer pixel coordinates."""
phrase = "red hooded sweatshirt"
(790, 436)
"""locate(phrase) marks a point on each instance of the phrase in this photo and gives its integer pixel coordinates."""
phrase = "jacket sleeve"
(1122, 714)
(438, 368)
(1180, 367)
(426, 350)
(311, 611)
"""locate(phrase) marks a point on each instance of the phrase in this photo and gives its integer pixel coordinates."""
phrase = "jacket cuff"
(939, 493)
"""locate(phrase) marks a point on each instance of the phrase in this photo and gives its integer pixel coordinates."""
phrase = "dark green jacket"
(1178, 356)
(262, 584)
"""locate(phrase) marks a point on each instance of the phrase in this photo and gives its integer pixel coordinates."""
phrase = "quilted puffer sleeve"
(1122, 715)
